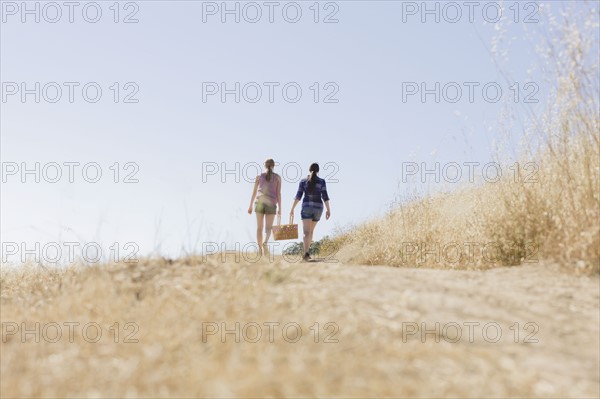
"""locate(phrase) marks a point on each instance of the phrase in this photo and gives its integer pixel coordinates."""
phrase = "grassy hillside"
(547, 209)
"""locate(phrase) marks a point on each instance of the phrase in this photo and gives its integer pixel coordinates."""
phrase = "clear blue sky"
(171, 132)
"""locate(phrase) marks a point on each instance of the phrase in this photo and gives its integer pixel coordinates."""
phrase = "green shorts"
(261, 207)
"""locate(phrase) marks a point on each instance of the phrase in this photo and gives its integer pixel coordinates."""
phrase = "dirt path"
(374, 313)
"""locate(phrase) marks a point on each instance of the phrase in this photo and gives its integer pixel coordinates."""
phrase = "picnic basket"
(286, 231)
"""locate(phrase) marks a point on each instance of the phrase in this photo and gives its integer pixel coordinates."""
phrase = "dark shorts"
(267, 209)
(309, 212)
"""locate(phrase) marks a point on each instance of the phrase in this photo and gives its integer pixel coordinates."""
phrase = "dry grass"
(549, 214)
(169, 302)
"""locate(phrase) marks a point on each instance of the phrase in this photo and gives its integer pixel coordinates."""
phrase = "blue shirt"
(316, 197)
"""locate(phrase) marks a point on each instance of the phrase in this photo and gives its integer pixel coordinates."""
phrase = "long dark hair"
(269, 164)
(312, 177)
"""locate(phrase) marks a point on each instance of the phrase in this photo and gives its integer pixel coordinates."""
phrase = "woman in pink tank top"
(267, 193)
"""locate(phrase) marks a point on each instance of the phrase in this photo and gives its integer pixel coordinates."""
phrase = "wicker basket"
(286, 231)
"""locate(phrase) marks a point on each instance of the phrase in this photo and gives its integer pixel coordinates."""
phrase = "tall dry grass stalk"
(546, 209)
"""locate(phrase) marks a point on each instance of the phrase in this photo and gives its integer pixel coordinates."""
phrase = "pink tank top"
(267, 190)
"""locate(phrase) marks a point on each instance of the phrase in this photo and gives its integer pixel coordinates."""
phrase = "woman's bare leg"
(268, 226)
(260, 217)
(312, 230)
(307, 225)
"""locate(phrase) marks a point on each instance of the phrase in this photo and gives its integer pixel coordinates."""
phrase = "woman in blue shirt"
(314, 190)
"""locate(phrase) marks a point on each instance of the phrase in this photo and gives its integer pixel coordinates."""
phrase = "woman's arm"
(298, 197)
(293, 206)
(279, 196)
(253, 195)
(325, 197)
